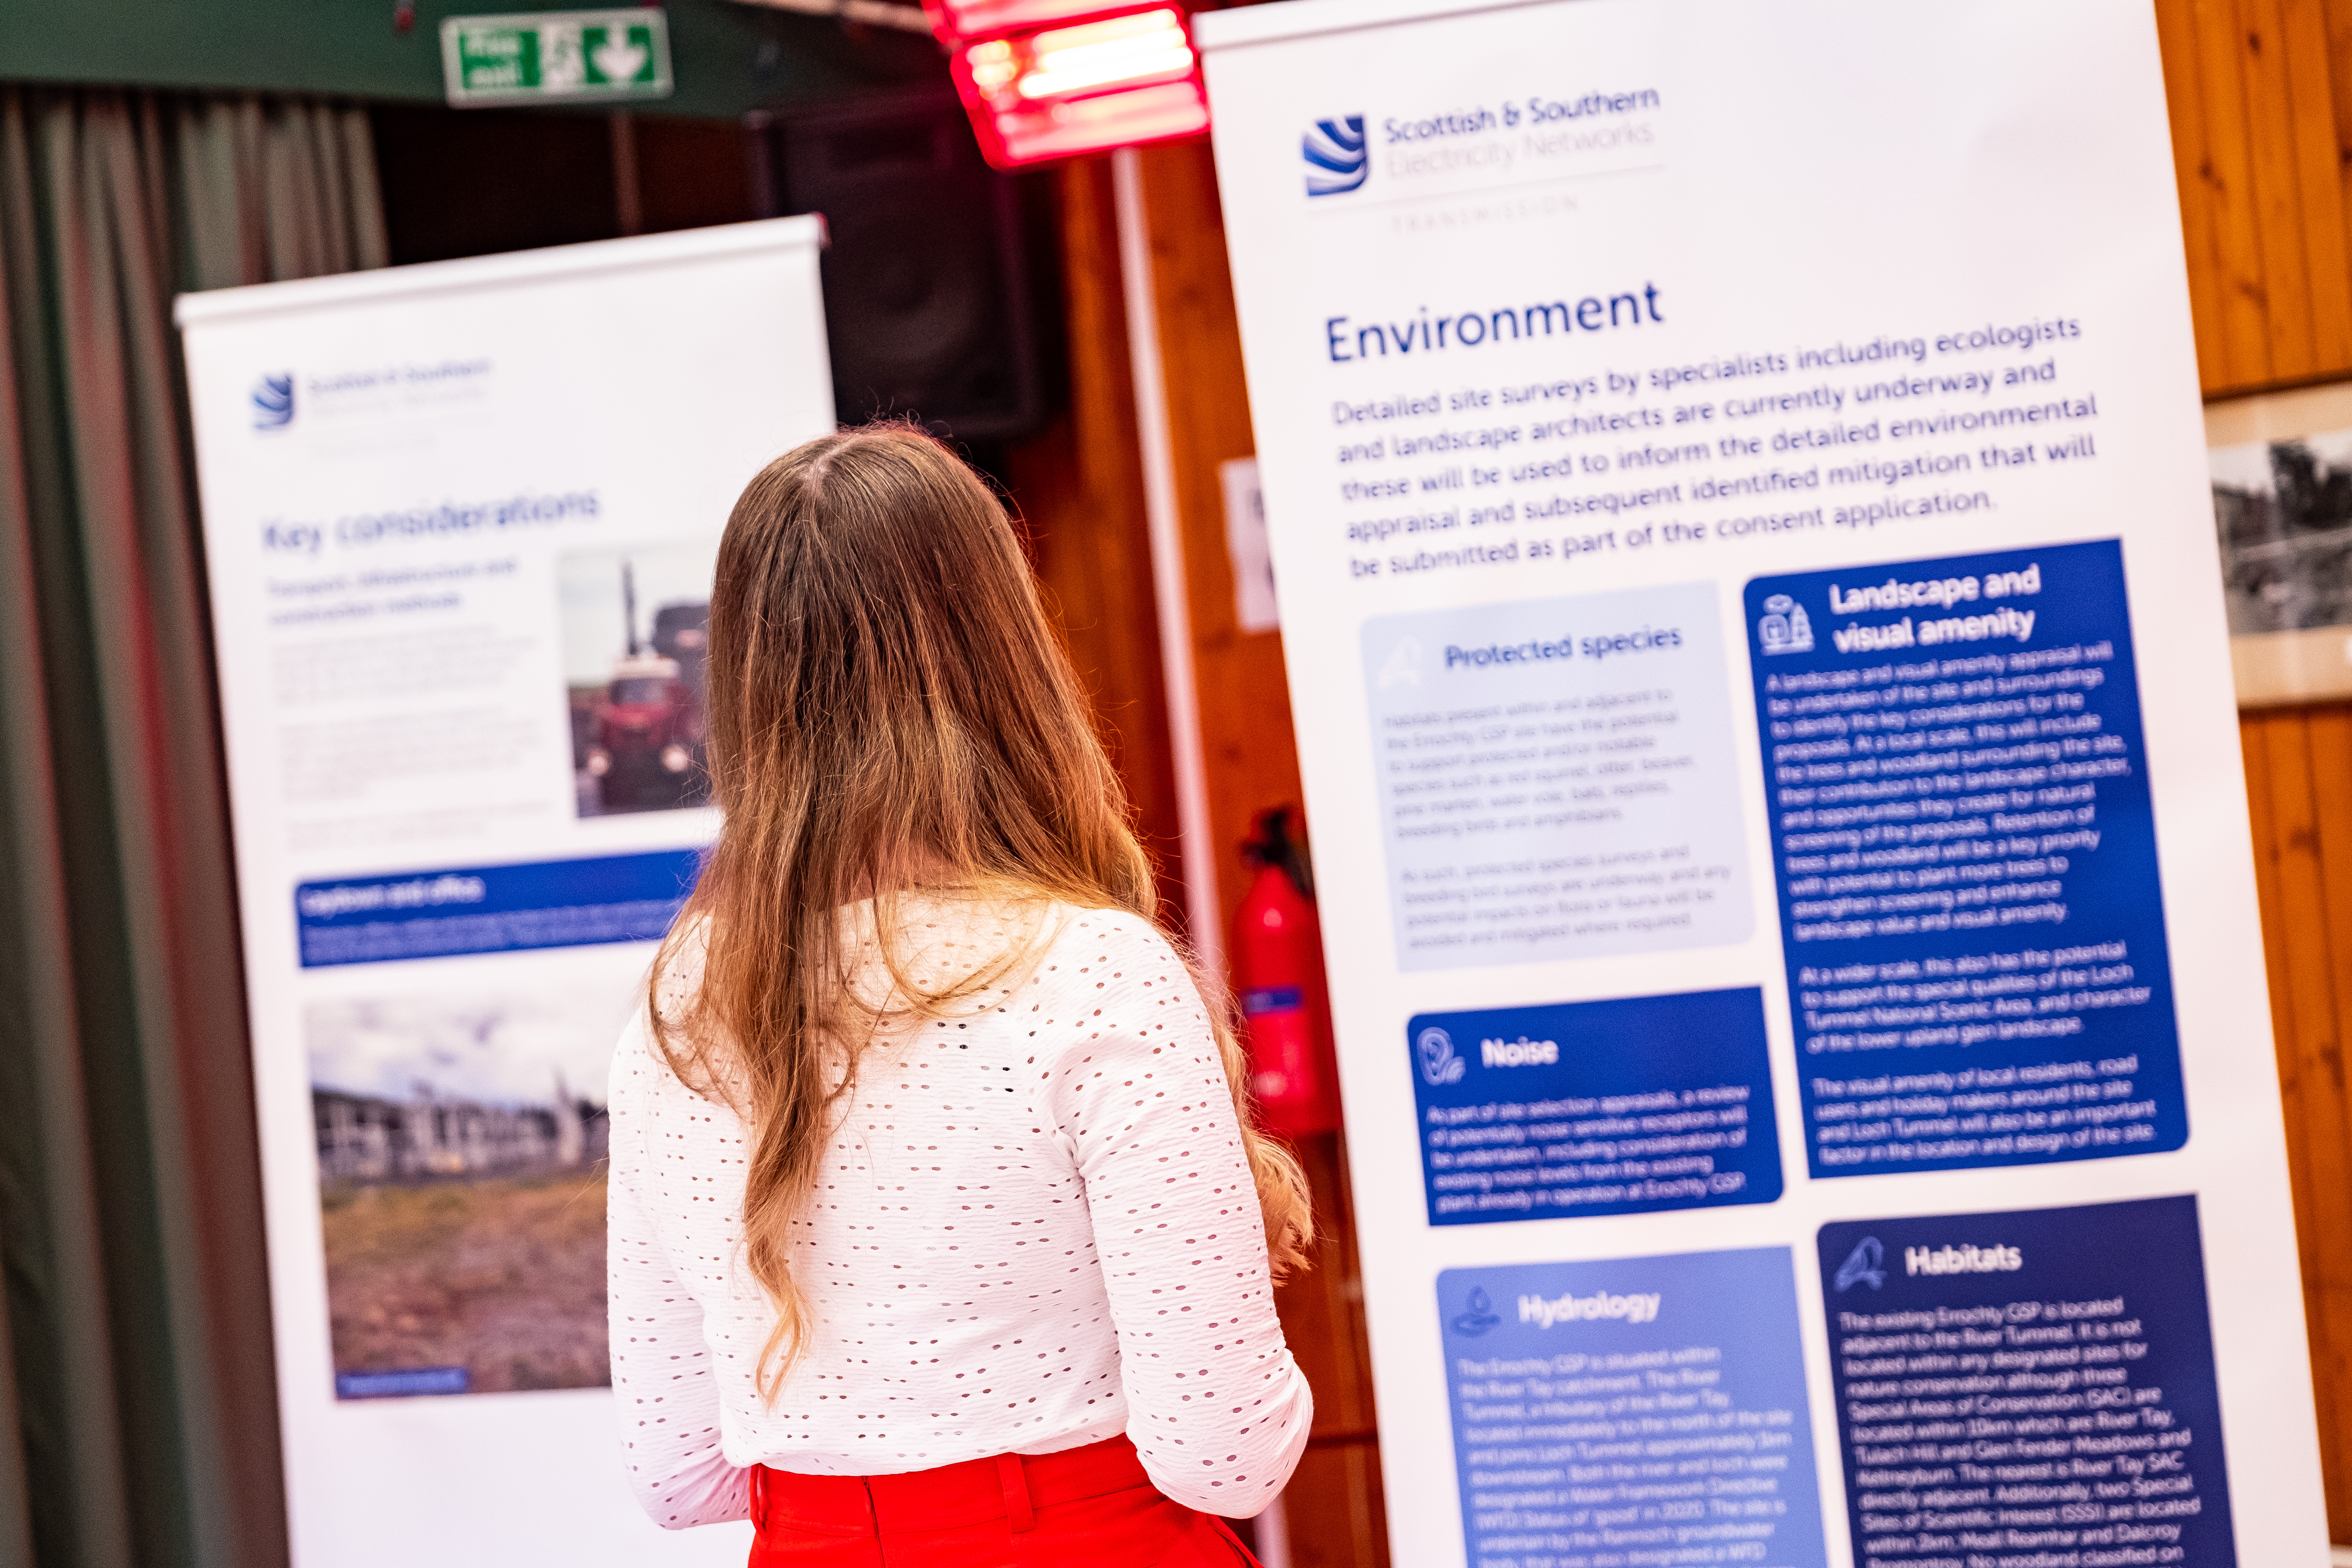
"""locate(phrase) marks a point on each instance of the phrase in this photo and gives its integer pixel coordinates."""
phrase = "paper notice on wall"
(1762, 689)
(461, 522)
(1246, 551)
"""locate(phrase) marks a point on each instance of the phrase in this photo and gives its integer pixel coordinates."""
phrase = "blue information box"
(493, 908)
(1643, 1410)
(2030, 1387)
(1966, 860)
(1589, 1108)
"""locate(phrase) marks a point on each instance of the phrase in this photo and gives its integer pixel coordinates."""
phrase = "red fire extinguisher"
(1277, 964)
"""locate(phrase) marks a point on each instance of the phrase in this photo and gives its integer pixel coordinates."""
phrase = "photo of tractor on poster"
(635, 629)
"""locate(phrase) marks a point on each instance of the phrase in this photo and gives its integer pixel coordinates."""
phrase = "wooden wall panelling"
(2299, 783)
(2193, 172)
(1333, 1501)
(2287, 285)
(2228, 270)
(1334, 1504)
(2261, 100)
(1252, 759)
(2260, 128)
(692, 173)
(2318, 169)
(1078, 489)
(2334, 45)
(2320, 1112)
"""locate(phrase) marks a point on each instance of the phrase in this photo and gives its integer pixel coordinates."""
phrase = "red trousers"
(1091, 1506)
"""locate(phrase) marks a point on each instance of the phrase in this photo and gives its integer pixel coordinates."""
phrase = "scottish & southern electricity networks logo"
(273, 401)
(1338, 157)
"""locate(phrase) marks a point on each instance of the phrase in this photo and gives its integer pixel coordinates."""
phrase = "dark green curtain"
(138, 1419)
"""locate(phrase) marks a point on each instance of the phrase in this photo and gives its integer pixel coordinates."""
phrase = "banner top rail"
(595, 255)
(1215, 30)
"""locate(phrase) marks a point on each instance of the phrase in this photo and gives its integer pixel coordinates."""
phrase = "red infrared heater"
(1053, 78)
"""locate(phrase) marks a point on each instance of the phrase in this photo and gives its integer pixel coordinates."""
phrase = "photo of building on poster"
(635, 632)
(462, 1146)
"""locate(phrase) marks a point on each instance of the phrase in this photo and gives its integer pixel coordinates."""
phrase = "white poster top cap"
(480, 272)
(1214, 30)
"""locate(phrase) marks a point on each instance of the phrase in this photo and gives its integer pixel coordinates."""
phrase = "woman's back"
(936, 1212)
(1034, 1227)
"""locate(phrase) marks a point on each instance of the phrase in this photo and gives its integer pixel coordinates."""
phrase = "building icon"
(1784, 627)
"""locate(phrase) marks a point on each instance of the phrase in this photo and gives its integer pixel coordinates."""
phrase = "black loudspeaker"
(929, 298)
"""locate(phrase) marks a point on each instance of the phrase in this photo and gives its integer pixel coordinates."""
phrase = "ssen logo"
(1338, 157)
(273, 401)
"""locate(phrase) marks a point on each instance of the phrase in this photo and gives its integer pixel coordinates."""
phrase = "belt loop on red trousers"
(759, 1497)
(1017, 1511)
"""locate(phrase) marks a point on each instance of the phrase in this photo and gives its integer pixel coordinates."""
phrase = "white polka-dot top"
(1034, 1229)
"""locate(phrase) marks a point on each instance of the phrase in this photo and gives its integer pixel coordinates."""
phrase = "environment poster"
(1749, 594)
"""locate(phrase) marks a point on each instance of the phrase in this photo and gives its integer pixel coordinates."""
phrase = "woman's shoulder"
(659, 1057)
(954, 949)
(681, 959)
(1116, 932)
(1106, 951)
(943, 938)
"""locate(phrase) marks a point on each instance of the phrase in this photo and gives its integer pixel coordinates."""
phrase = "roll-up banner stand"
(460, 520)
(1739, 503)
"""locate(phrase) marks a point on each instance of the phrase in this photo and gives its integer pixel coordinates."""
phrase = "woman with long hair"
(940, 1232)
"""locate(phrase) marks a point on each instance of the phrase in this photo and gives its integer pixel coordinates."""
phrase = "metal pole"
(1196, 838)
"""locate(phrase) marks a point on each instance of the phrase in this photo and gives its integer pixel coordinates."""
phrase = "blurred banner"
(1738, 495)
(460, 521)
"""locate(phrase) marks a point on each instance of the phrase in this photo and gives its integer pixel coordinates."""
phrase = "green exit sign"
(555, 57)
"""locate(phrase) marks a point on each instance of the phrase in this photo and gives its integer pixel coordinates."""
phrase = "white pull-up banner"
(1737, 491)
(460, 520)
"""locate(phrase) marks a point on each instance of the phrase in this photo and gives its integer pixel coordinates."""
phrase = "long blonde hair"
(890, 713)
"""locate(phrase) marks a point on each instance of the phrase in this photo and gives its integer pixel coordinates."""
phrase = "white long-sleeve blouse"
(1034, 1229)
